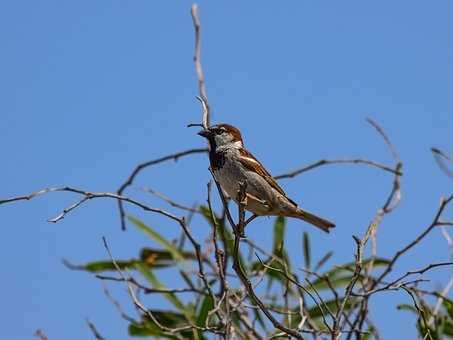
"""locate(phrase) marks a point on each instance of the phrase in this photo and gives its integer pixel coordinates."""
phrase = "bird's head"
(222, 135)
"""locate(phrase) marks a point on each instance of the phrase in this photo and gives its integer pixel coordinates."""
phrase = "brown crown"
(232, 130)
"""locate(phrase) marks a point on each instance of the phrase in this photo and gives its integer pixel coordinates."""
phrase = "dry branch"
(142, 166)
(203, 98)
(441, 159)
(94, 330)
(231, 316)
(323, 162)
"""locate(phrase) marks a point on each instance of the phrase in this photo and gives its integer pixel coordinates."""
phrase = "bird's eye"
(222, 130)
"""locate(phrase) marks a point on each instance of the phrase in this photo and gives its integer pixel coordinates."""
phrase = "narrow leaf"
(155, 236)
(407, 307)
(167, 318)
(155, 283)
(206, 306)
(341, 275)
(448, 328)
(449, 307)
(107, 265)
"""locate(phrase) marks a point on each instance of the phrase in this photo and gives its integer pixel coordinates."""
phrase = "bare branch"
(358, 267)
(94, 330)
(167, 330)
(88, 196)
(142, 166)
(28, 197)
(218, 252)
(323, 162)
(236, 265)
(203, 98)
(396, 284)
(148, 290)
(170, 201)
(444, 202)
(441, 159)
(420, 312)
(391, 203)
(117, 305)
(41, 335)
(323, 260)
(381, 131)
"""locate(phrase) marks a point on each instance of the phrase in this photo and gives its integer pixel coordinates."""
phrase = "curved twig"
(142, 166)
(203, 98)
(441, 160)
(323, 162)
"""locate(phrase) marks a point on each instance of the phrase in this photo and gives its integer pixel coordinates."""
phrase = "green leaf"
(448, 307)
(155, 283)
(279, 236)
(448, 328)
(222, 229)
(167, 318)
(407, 307)
(315, 312)
(378, 263)
(342, 275)
(146, 330)
(337, 282)
(439, 327)
(259, 318)
(154, 235)
(107, 265)
(206, 306)
(206, 212)
(369, 335)
(150, 256)
(307, 252)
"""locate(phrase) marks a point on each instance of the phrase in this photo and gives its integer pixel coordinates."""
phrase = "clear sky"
(89, 89)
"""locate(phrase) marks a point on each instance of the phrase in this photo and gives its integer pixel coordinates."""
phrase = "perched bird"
(232, 165)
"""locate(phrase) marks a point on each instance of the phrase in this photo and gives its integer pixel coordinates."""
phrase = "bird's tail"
(314, 220)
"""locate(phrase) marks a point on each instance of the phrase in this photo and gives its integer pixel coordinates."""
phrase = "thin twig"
(88, 196)
(390, 204)
(238, 268)
(170, 201)
(94, 330)
(396, 283)
(358, 267)
(117, 305)
(167, 330)
(323, 162)
(41, 335)
(148, 290)
(441, 159)
(420, 312)
(142, 166)
(218, 252)
(198, 67)
(444, 202)
(449, 285)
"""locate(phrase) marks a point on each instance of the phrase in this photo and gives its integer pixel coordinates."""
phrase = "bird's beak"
(205, 133)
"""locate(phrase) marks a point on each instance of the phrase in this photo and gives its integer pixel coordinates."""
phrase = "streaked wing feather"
(252, 164)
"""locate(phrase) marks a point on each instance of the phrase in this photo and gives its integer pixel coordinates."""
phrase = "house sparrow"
(232, 164)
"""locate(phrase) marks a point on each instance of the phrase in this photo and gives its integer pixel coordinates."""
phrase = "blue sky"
(90, 89)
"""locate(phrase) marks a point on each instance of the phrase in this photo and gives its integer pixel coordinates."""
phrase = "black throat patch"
(216, 158)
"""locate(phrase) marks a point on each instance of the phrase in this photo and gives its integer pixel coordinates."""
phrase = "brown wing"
(251, 163)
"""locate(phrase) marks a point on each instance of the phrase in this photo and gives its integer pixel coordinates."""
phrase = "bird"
(232, 165)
